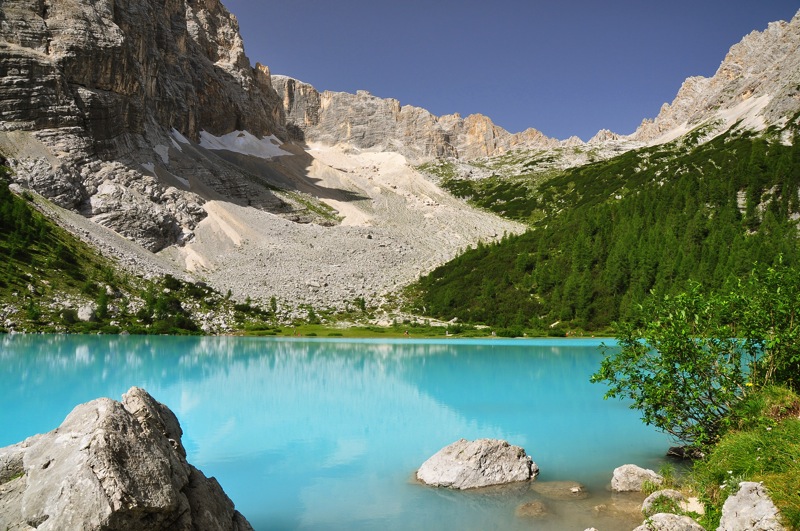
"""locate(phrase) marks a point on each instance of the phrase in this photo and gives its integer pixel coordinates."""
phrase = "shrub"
(687, 361)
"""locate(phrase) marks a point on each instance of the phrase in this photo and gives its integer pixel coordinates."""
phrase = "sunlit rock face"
(365, 121)
(757, 85)
(90, 92)
(111, 465)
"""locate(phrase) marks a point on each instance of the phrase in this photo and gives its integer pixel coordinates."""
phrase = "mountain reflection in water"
(328, 433)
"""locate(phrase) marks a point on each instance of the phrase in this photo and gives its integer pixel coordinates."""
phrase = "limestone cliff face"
(368, 122)
(89, 89)
(757, 84)
(111, 466)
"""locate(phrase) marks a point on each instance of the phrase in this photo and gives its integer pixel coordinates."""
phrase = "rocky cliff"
(757, 85)
(90, 92)
(367, 122)
(147, 118)
(112, 466)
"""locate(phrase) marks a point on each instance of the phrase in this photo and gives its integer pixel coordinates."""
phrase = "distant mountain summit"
(756, 86)
(147, 118)
(368, 122)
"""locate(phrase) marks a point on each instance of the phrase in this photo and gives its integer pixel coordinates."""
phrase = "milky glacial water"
(327, 433)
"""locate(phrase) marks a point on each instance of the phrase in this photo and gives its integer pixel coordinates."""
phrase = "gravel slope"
(396, 225)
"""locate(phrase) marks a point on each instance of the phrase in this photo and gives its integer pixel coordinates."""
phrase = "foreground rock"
(631, 478)
(750, 509)
(666, 497)
(480, 463)
(111, 466)
(669, 522)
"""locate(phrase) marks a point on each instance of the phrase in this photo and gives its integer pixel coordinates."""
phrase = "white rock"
(750, 509)
(631, 478)
(111, 465)
(480, 463)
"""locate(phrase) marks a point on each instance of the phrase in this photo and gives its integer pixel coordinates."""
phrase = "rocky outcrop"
(90, 93)
(112, 466)
(669, 522)
(480, 463)
(368, 122)
(665, 496)
(631, 478)
(750, 509)
(757, 84)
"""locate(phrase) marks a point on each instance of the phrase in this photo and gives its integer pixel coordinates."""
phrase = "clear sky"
(565, 67)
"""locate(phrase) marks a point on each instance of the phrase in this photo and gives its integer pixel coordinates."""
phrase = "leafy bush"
(684, 360)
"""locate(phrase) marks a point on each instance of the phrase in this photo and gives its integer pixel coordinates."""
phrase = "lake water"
(327, 434)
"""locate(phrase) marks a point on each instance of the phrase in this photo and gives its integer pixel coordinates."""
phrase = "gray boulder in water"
(480, 463)
(632, 478)
(112, 466)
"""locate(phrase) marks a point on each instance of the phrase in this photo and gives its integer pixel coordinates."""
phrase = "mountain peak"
(372, 123)
(756, 85)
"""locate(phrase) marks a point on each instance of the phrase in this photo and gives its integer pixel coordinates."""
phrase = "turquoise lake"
(327, 434)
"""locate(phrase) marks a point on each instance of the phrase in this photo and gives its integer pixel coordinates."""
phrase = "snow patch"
(163, 152)
(244, 143)
(149, 166)
(179, 137)
(176, 145)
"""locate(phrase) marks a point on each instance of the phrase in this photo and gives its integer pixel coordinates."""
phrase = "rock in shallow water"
(480, 463)
(112, 466)
(631, 478)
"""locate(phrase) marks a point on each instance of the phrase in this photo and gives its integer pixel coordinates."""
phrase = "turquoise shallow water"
(327, 434)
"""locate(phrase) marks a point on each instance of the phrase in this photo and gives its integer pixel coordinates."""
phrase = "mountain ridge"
(148, 119)
(752, 69)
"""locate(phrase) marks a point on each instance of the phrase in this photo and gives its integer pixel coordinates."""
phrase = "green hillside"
(605, 234)
(52, 282)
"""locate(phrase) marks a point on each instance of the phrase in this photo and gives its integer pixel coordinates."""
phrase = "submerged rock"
(560, 490)
(112, 466)
(533, 509)
(480, 463)
(750, 509)
(631, 478)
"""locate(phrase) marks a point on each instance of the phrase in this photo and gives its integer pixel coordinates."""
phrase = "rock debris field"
(395, 225)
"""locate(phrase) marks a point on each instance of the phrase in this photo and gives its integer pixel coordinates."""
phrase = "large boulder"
(669, 522)
(480, 463)
(631, 478)
(750, 509)
(111, 466)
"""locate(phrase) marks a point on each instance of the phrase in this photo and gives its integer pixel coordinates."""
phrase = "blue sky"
(568, 67)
